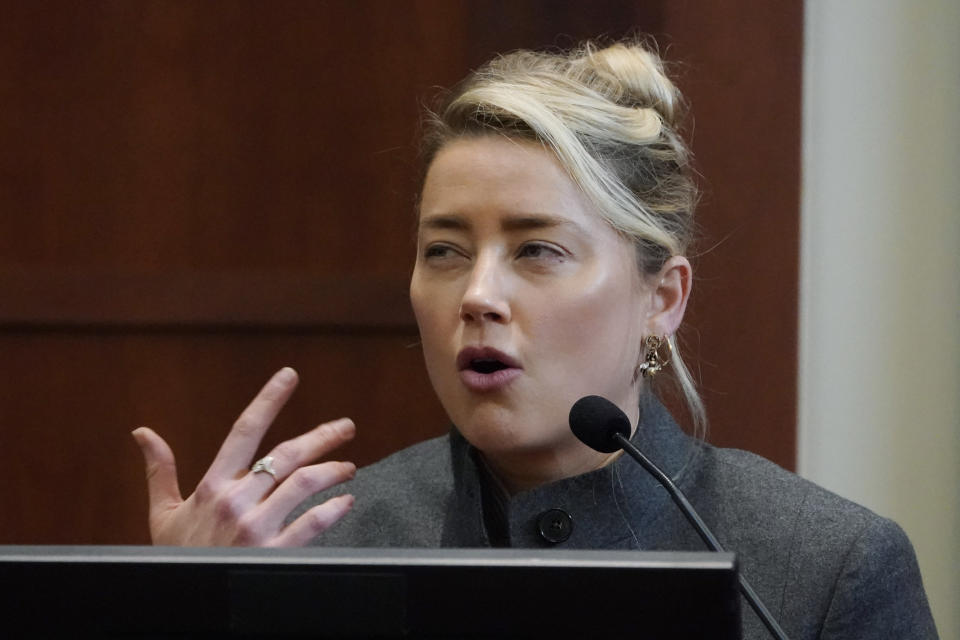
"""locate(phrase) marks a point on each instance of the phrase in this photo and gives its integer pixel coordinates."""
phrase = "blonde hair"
(611, 115)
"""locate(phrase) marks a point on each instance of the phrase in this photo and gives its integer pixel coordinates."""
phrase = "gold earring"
(653, 360)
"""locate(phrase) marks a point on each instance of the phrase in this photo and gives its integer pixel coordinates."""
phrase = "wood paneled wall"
(193, 194)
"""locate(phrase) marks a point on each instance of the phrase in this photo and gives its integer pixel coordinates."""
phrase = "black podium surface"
(363, 593)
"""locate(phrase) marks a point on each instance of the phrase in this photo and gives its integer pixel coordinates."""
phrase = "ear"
(669, 295)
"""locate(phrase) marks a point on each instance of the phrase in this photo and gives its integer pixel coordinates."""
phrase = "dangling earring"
(653, 360)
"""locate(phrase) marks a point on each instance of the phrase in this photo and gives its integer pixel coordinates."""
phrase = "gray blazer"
(824, 566)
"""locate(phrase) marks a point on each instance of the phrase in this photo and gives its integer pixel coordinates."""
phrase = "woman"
(555, 212)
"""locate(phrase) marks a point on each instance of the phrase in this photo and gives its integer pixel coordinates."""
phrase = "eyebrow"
(520, 222)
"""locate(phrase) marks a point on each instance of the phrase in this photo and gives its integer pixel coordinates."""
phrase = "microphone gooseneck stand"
(602, 426)
(701, 528)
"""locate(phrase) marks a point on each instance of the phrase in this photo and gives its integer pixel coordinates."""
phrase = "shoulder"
(744, 486)
(880, 570)
(399, 501)
(762, 499)
(834, 569)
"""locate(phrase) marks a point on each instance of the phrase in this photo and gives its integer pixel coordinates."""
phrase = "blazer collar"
(615, 507)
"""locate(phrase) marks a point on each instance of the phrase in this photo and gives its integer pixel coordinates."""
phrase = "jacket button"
(555, 525)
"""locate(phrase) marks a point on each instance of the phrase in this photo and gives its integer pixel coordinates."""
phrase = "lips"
(485, 369)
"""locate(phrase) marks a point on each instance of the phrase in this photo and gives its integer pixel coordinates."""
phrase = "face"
(525, 298)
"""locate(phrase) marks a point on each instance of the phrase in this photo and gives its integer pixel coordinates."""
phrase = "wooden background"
(194, 194)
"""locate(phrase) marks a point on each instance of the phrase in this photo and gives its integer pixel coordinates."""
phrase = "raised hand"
(233, 506)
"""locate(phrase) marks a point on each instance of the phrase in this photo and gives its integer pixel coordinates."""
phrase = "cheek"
(436, 321)
(597, 333)
(423, 299)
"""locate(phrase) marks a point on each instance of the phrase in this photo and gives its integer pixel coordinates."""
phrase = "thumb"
(162, 483)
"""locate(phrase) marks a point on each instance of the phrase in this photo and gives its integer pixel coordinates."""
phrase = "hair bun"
(636, 76)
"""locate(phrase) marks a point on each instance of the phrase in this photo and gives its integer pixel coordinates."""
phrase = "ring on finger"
(264, 465)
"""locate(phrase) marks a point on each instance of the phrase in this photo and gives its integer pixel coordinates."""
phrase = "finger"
(302, 483)
(313, 522)
(162, 486)
(302, 450)
(241, 443)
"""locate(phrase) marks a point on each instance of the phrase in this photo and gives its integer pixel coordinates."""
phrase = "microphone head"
(595, 420)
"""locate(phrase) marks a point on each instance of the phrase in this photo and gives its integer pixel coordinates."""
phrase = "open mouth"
(485, 360)
(486, 370)
(486, 365)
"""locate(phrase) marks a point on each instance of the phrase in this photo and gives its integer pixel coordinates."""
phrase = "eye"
(435, 251)
(538, 251)
(439, 251)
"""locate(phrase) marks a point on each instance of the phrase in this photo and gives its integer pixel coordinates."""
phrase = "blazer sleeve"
(878, 592)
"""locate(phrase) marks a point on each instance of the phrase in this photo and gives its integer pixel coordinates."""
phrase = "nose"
(485, 298)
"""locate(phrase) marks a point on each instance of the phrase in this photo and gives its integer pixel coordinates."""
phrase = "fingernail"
(286, 374)
(345, 426)
(335, 426)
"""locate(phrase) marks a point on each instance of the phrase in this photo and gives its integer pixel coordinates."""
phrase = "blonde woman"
(556, 209)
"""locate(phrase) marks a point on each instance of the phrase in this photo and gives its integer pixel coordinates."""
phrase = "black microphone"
(602, 426)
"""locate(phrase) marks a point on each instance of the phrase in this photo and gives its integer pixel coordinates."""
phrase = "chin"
(495, 430)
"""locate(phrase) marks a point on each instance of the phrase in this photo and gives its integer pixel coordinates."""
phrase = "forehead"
(495, 174)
